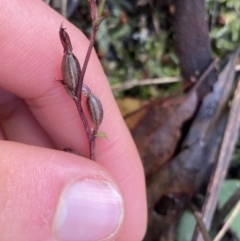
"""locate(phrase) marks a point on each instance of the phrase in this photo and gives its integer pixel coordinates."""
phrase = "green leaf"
(186, 227)
(101, 8)
(102, 135)
(228, 188)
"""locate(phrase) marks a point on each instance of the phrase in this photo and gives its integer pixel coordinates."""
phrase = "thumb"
(53, 195)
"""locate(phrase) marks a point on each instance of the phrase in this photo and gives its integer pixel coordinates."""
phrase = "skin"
(38, 119)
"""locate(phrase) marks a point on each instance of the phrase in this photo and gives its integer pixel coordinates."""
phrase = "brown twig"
(200, 223)
(64, 8)
(228, 222)
(228, 143)
(133, 83)
(227, 207)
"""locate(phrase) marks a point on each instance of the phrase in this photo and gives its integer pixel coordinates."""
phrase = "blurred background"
(136, 47)
(135, 43)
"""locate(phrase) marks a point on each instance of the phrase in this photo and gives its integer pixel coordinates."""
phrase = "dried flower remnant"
(65, 40)
(71, 70)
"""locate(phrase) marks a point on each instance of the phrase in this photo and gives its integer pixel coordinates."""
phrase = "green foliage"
(186, 227)
(142, 51)
(137, 42)
(187, 222)
(228, 188)
(225, 33)
(133, 51)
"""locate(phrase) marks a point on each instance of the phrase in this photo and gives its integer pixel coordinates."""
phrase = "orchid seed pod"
(71, 70)
(95, 109)
(94, 106)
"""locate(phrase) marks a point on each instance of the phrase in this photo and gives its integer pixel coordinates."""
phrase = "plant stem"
(229, 221)
(90, 47)
(91, 135)
(200, 223)
(87, 128)
(92, 148)
(92, 143)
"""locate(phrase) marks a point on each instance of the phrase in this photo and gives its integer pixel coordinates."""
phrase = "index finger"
(30, 60)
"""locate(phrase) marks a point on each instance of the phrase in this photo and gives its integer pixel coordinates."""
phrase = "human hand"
(47, 194)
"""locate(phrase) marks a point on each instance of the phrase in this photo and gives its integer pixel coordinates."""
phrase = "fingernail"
(88, 210)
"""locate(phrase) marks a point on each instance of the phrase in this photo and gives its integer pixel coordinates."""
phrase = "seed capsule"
(71, 70)
(95, 109)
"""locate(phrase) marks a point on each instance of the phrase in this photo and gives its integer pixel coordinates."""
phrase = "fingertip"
(50, 194)
(89, 204)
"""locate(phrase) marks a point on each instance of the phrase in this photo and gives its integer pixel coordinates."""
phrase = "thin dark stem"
(90, 134)
(92, 148)
(86, 126)
(90, 47)
(92, 143)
